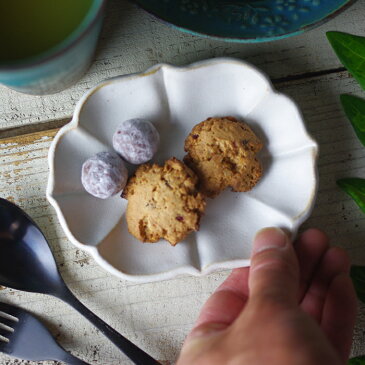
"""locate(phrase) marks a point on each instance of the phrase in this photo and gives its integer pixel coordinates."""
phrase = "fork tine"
(4, 343)
(9, 309)
(7, 320)
(7, 324)
(6, 332)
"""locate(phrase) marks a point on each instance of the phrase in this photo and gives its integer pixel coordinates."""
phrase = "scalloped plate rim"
(186, 269)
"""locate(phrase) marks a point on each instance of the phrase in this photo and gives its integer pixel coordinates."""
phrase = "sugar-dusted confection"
(163, 202)
(222, 152)
(136, 140)
(104, 175)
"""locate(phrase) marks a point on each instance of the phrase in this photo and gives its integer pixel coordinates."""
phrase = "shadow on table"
(341, 155)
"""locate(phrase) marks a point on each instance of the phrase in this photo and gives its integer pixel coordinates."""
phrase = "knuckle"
(269, 303)
(274, 277)
(274, 261)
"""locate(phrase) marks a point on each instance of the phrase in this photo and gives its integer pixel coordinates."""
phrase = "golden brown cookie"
(222, 152)
(163, 202)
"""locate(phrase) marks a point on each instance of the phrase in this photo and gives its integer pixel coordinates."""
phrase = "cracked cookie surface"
(163, 202)
(222, 152)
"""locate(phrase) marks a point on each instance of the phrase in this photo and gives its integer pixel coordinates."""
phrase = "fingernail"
(269, 238)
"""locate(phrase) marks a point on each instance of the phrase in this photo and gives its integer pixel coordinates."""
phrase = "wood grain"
(157, 316)
(132, 41)
(158, 324)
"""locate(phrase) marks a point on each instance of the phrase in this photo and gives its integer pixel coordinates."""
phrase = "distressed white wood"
(157, 316)
(132, 41)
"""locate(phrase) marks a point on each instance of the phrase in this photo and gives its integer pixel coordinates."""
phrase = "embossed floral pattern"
(253, 17)
(286, 4)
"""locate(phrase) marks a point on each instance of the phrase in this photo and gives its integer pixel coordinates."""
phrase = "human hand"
(295, 306)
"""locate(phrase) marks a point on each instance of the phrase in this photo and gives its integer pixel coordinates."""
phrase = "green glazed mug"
(47, 45)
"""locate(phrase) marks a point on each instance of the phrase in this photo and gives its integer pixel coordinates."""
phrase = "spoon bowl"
(27, 263)
(26, 260)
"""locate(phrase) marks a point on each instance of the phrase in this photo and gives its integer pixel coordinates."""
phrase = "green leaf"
(354, 108)
(350, 49)
(355, 188)
(358, 278)
(357, 361)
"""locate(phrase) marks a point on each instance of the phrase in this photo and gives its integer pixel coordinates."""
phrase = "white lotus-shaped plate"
(175, 99)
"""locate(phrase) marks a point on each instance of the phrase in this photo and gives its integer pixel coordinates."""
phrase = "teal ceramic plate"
(245, 20)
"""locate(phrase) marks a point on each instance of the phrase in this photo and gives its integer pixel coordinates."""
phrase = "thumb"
(274, 272)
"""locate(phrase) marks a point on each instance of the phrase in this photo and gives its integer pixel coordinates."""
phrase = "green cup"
(47, 45)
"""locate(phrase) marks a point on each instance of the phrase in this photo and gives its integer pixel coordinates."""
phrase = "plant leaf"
(354, 108)
(350, 49)
(355, 187)
(358, 278)
(357, 361)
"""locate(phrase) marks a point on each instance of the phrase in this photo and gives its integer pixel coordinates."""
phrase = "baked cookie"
(222, 152)
(163, 202)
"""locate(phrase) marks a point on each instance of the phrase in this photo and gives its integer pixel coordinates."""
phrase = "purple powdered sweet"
(136, 140)
(104, 175)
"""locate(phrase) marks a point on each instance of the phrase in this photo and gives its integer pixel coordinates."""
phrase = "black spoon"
(27, 263)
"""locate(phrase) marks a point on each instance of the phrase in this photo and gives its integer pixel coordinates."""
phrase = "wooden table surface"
(157, 316)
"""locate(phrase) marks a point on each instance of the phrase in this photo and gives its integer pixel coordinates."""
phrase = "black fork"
(25, 337)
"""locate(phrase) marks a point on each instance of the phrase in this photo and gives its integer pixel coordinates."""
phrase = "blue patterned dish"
(245, 20)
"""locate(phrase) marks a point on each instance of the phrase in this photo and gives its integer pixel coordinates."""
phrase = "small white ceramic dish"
(175, 99)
